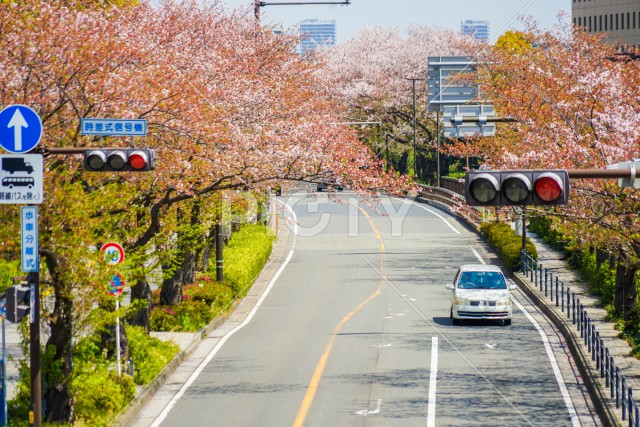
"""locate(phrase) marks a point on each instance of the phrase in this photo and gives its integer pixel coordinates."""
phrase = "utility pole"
(413, 86)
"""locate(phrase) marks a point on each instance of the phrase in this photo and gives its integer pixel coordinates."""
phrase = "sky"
(401, 14)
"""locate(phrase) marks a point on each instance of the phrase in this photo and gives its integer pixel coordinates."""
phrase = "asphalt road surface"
(355, 331)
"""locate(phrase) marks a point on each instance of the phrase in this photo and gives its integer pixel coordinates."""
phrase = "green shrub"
(186, 316)
(541, 225)
(506, 244)
(245, 256)
(150, 355)
(600, 278)
(8, 270)
(99, 393)
(163, 319)
(218, 295)
(193, 315)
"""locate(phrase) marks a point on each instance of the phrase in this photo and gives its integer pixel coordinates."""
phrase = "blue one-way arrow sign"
(20, 129)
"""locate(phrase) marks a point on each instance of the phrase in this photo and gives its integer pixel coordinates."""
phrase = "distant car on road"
(329, 182)
(480, 291)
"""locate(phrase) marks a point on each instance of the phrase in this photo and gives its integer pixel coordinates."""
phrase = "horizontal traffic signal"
(120, 159)
(18, 302)
(517, 187)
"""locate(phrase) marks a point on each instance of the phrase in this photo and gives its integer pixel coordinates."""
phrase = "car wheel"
(506, 322)
(454, 321)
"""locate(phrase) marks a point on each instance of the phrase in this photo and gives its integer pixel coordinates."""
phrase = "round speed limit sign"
(112, 253)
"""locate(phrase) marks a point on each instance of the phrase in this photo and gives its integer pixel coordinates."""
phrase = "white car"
(480, 292)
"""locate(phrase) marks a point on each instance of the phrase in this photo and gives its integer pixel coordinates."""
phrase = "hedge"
(507, 245)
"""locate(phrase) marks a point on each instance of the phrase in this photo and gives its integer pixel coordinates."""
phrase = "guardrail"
(569, 303)
(452, 199)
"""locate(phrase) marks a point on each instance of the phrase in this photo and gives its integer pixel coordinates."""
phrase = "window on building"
(600, 23)
(628, 20)
(617, 22)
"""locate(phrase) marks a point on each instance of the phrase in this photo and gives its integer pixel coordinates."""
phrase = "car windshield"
(481, 280)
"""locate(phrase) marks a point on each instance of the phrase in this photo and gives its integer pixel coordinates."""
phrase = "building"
(620, 19)
(477, 29)
(316, 33)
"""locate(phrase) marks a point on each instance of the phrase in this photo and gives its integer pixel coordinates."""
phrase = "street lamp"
(257, 4)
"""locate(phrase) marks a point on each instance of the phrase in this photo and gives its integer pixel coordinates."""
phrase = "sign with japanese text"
(29, 234)
(21, 179)
(113, 127)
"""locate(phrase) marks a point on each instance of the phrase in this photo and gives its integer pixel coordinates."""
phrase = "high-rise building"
(620, 19)
(316, 33)
(477, 29)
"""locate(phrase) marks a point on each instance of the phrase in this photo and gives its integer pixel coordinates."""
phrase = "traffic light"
(120, 159)
(516, 187)
(18, 302)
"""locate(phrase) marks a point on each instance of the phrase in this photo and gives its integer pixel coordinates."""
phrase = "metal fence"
(569, 303)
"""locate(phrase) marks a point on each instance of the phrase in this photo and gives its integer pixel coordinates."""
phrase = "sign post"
(113, 254)
(20, 132)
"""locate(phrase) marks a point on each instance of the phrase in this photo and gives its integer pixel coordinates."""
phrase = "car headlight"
(460, 301)
(504, 301)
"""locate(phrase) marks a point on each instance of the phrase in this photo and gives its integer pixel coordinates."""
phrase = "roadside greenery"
(245, 255)
(506, 244)
(98, 393)
(598, 270)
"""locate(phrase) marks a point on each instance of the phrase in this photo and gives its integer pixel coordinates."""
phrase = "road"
(355, 331)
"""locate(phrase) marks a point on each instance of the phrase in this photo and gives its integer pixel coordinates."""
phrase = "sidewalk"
(629, 367)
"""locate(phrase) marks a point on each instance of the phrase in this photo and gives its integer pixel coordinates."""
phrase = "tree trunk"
(625, 291)
(141, 291)
(171, 292)
(108, 341)
(55, 391)
(59, 407)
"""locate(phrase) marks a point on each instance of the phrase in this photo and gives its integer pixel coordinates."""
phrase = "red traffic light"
(138, 160)
(517, 187)
(120, 159)
(549, 187)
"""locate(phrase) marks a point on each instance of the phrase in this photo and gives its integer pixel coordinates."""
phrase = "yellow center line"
(322, 363)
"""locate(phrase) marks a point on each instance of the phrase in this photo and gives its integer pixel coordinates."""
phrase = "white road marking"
(434, 213)
(491, 346)
(477, 255)
(366, 412)
(575, 421)
(382, 345)
(552, 358)
(433, 377)
(224, 339)
(449, 342)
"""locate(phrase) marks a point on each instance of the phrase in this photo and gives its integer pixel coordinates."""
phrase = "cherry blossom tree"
(229, 106)
(372, 75)
(576, 104)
